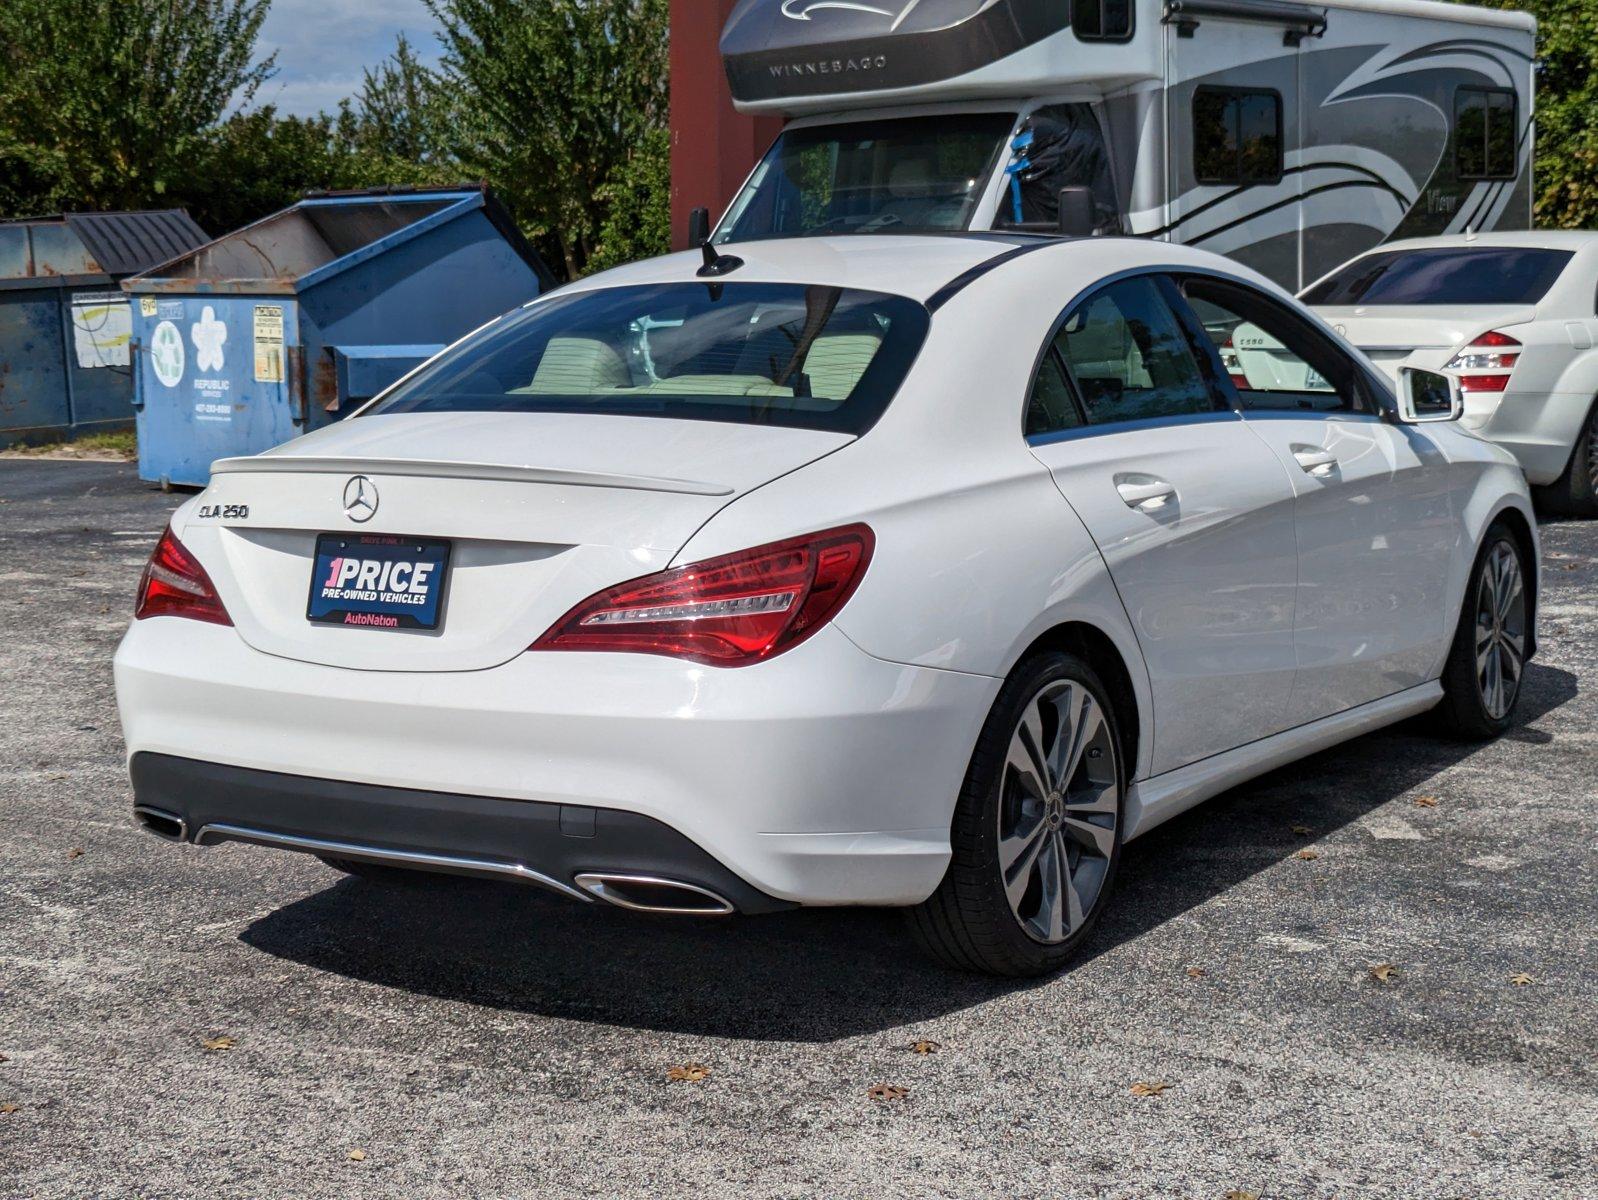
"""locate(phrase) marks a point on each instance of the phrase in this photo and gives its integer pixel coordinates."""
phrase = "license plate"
(378, 581)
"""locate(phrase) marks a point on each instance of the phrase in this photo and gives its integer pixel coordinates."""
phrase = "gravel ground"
(473, 1040)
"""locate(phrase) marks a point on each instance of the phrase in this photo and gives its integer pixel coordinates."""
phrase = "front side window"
(757, 353)
(1130, 358)
(1237, 136)
(1102, 20)
(1484, 133)
(1274, 359)
(1451, 275)
(894, 176)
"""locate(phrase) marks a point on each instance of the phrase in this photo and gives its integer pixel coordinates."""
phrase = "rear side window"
(1130, 358)
(1452, 275)
(769, 354)
(1237, 136)
(1484, 133)
(1102, 20)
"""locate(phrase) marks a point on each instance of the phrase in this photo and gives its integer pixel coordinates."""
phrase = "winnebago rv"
(1290, 136)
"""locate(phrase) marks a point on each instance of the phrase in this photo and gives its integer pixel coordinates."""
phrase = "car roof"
(925, 267)
(1531, 239)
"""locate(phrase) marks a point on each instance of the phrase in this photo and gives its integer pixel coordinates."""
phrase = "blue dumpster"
(64, 322)
(294, 321)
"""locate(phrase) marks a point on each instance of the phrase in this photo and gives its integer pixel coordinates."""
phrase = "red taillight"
(1489, 356)
(729, 611)
(174, 584)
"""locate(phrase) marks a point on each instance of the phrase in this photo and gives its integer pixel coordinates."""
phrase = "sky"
(322, 46)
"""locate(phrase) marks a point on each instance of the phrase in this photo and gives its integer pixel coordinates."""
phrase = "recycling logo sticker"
(208, 334)
(166, 354)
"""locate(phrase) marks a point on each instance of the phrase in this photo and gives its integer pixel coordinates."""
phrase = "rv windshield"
(1447, 275)
(908, 174)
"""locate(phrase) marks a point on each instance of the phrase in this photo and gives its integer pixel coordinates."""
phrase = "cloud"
(323, 45)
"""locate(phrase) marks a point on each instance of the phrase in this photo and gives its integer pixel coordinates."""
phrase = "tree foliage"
(109, 103)
(560, 96)
(400, 128)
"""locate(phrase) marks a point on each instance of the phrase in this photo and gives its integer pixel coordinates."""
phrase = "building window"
(1102, 20)
(1237, 136)
(1484, 133)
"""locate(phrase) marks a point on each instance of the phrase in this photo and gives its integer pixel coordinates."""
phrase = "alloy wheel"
(1059, 804)
(1500, 630)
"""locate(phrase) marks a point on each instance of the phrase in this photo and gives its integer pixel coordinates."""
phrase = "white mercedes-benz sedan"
(1514, 316)
(915, 571)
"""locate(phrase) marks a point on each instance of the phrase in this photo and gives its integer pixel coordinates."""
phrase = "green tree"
(1566, 169)
(107, 104)
(559, 98)
(400, 128)
(637, 221)
(257, 162)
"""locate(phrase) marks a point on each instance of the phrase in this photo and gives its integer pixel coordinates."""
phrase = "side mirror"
(698, 228)
(1077, 218)
(1425, 396)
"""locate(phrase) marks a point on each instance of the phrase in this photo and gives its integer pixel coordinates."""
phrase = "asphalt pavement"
(234, 1022)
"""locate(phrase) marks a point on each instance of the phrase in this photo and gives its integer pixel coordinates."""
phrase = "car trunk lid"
(1420, 335)
(541, 510)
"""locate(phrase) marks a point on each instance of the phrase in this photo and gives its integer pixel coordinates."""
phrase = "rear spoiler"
(296, 464)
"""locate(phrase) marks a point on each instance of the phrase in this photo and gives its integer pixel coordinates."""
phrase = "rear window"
(768, 354)
(1456, 275)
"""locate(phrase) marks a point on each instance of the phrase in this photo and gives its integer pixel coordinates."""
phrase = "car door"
(1376, 533)
(1192, 513)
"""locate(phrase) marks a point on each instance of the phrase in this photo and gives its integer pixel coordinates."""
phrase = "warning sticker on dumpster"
(102, 329)
(268, 343)
(146, 306)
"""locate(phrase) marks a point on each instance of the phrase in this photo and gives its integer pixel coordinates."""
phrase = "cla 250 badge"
(225, 512)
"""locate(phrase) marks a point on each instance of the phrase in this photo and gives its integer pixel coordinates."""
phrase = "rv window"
(1485, 133)
(1237, 136)
(1272, 358)
(1102, 20)
(1451, 275)
(893, 176)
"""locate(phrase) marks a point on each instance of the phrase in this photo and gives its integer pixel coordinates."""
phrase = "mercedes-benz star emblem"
(360, 498)
(1342, 330)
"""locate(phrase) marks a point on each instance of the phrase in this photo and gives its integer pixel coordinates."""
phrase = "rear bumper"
(1539, 429)
(824, 776)
(550, 845)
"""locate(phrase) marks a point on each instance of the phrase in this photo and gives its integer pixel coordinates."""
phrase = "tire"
(1487, 662)
(1575, 493)
(1009, 804)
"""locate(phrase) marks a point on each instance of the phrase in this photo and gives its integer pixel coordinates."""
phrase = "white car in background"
(916, 571)
(1515, 317)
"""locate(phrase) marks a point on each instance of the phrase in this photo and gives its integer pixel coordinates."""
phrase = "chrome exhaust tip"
(651, 894)
(167, 826)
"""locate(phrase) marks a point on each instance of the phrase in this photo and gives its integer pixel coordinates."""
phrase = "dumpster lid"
(324, 234)
(82, 247)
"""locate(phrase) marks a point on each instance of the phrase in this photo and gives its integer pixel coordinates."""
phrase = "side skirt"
(1164, 796)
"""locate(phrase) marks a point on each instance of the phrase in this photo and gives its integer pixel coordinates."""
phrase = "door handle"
(1315, 461)
(1144, 492)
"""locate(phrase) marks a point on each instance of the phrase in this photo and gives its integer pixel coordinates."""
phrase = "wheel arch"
(1094, 646)
(1525, 535)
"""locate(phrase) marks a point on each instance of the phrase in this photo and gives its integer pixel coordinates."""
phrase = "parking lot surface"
(239, 1022)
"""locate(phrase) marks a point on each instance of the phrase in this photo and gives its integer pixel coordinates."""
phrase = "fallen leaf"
(1520, 980)
(925, 1047)
(3, 1058)
(1240, 1194)
(75, 852)
(688, 1073)
(888, 1091)
(212, 1045)
(1424, 801)
(1302, 830)
(357, 1155)
(1382, 972)
(1307, 854)
(1195, 972)
(1152, 1088)
(7, 1109)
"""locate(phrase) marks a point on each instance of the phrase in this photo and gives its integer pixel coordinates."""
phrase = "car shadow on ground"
(820, 974)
